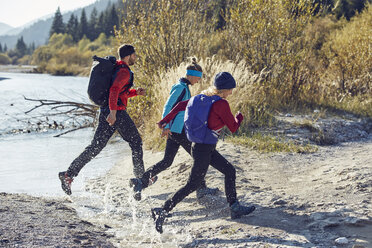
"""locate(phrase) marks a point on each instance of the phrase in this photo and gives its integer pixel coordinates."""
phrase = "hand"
(111, 118)
(166, 132)
(161, 125)
(239, 117)
(141, 91)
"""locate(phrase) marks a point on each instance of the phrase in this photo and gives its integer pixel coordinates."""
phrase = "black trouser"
(203, 154)
(174, 142)
(128, 131)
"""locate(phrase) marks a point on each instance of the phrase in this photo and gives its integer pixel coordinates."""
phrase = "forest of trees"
(79, 29)
(90, 28)
(104, 22)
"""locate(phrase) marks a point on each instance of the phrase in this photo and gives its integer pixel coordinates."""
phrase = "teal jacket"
(176, 125)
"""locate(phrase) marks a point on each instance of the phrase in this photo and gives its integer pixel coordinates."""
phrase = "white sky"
(19, 12)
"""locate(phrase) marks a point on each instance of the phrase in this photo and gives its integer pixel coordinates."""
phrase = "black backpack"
(101, 77)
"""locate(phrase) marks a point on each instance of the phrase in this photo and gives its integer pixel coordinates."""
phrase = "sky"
(19, 12)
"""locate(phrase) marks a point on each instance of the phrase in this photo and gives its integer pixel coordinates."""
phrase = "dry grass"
(270, 143)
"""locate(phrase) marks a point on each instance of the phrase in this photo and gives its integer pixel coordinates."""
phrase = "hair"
(125, 50)
(212, 90)
(194, 66)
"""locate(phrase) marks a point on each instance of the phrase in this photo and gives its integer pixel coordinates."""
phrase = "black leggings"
(203, 155)
(128, 131)
(174, 142)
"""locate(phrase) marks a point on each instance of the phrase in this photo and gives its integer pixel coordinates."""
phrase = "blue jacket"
(176, 125)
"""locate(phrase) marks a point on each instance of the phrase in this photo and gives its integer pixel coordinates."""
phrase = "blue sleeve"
(173, 96)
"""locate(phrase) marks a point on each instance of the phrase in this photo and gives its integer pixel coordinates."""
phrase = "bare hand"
(166, 132)
(141, 91)
(161, 126)
(111, 118)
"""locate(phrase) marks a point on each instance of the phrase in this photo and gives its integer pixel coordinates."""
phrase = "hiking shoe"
(65, 182)
(201, 192)
(136, 184)
(159, 215)
(238, 210)
(156, 211)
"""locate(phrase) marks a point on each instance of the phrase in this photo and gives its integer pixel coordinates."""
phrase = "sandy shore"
(323, 199)
(312, 200)
(28, 221)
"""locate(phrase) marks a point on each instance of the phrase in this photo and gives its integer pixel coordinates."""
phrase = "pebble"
(342, 241)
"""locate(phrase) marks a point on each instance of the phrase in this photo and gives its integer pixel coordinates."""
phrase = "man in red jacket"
(113, 117)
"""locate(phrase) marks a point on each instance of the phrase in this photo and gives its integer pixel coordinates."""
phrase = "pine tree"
(111, 20)
(21, 48)
(57, 26)
(1, 48)
(100, 25)
(72, 28)
(31, 48)
(5, 49)
(83, 25)
(92, 34)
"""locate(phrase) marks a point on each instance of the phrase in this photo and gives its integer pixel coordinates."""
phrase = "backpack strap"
(130, 84)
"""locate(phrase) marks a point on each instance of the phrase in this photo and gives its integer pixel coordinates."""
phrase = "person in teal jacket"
(175, 134)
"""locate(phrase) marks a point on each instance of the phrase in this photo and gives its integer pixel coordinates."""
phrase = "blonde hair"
(212, 90)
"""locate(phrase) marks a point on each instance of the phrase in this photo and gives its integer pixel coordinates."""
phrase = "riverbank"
(303, 200)
(28, 221)
(18, 68)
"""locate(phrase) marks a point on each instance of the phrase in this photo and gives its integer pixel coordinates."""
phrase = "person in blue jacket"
(175, 134)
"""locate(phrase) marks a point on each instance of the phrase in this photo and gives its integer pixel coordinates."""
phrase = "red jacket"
(121, 80)
(219, 116)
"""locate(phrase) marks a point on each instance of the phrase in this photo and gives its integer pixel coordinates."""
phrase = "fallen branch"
(71, 110)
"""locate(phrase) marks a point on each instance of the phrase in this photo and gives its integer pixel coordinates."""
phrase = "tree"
(21, 48)
(92, 34)
(83, 25)
(111, 20)
(72, 28)
(57, 26)
(100, 25)
(220, 13)
(5, 49)
(31, 48)
(348, 8)
(1, 48)
(323, 6)
(356, 5)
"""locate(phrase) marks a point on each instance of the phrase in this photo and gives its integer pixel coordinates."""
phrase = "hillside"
(38, 32)
(4, 28)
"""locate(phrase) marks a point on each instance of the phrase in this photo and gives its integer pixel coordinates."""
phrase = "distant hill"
(4, 28)
(38, 32)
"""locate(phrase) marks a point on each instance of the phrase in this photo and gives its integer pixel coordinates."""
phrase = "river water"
(30, 162)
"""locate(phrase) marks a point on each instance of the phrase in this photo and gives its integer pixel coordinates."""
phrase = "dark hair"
(194, 66)
(125, 50)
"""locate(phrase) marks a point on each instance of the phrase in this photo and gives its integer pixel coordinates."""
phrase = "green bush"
(4, 59)
(61, 56)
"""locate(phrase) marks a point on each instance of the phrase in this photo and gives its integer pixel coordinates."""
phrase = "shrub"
(4, 59)
(349, 54)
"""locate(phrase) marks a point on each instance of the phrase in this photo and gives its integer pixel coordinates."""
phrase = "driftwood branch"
(71, 110)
